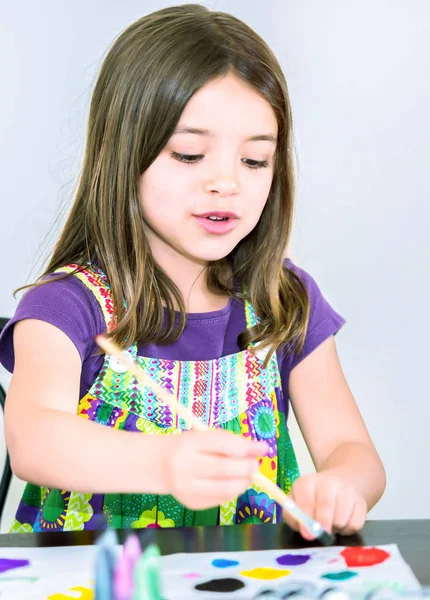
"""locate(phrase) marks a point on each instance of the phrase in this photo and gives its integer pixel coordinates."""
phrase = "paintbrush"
(259, 479)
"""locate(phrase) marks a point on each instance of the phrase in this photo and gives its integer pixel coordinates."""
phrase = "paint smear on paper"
(293, 560)
(192, 575)
(225, 585)
(364, 557)
(7, 564)
(29, 579)
(224, 563)
(340, 575)
(266, 573)
(371, 586)
(85, 594)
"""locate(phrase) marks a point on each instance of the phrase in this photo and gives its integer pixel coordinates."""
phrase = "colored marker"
(108, 538)
(105, 563)
(105, 566)
(124, 569)
(123, 581)
(147, 575)
(132, 548)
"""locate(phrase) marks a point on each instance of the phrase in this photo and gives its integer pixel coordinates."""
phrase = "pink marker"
(124, 569)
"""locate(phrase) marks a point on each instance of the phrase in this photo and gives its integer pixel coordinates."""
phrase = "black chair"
(7, 471)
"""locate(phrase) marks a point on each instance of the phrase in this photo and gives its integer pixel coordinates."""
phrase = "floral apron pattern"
(233, 392)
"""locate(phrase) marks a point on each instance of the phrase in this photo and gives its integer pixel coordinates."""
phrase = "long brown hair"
(148, 76)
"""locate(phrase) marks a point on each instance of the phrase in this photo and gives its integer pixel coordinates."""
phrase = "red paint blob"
(359, 556)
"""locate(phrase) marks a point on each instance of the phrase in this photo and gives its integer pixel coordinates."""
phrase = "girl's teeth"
(217, 218)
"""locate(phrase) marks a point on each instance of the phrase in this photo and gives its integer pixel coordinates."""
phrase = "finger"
(212, 466)
(303, 493)
(345, 503)
(326, 498)
(213, 492)
(258, 449)
(290, 521)
(227, 443)
(357, 518)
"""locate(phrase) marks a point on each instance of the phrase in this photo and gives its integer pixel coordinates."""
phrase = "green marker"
(147, 575)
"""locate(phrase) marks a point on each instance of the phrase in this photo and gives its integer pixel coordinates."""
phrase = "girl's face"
(207, 188)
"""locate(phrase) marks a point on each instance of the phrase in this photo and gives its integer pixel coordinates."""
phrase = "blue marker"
(108, 539)
(105, 566)
(104, 575)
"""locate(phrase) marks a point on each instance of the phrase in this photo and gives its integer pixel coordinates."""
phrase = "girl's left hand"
(329, 500)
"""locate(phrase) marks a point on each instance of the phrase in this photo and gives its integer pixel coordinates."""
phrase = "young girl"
(175, 245)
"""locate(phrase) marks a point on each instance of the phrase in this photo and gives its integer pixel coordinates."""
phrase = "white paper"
(57, 570)
(392, 572)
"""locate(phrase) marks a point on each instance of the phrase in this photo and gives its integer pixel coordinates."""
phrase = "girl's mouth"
(217, 222)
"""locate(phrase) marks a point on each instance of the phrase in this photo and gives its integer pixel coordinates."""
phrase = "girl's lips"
(218, 227)
(219, 213)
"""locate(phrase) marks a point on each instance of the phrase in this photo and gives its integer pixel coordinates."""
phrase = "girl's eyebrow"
(263, 137)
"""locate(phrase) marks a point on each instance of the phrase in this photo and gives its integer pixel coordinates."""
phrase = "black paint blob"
(223, 585)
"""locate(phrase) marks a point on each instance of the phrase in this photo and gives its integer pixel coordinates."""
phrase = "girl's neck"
(190, 278)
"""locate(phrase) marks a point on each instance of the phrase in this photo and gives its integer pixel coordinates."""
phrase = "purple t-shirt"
(72, 307)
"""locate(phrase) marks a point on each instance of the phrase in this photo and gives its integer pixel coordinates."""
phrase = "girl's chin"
(212, 256)
(213, 252)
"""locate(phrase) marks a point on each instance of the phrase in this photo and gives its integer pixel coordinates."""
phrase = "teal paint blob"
(223, 563)
(340, 575)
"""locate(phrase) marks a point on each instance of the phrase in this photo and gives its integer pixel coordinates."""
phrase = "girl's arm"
(48, 444)
(51, 446)
(350, 477)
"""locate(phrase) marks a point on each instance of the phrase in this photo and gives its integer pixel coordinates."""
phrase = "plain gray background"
(358, 74)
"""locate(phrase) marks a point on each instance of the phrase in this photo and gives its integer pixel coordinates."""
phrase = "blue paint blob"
(223, 563)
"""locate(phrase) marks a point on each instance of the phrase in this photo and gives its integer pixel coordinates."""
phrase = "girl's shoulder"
(308, 281)
(324, 320)
(66, 303)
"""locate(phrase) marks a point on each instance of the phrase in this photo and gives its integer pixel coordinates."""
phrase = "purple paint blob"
(223, 563)
(293, 560)
(7, 564)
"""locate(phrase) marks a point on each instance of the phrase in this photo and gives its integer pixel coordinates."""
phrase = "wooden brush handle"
(110, 348)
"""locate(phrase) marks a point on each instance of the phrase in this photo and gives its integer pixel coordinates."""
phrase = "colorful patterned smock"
(233, 392)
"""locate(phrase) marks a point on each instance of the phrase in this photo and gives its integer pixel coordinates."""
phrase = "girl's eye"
(194, 158)
(187, 158)
(255, 164)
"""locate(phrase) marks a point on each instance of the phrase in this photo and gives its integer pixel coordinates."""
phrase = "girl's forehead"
(229, 104)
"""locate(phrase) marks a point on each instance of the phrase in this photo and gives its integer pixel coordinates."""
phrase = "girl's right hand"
(204, 469)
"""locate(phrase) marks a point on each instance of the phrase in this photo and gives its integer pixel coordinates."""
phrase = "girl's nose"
(222, 185)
